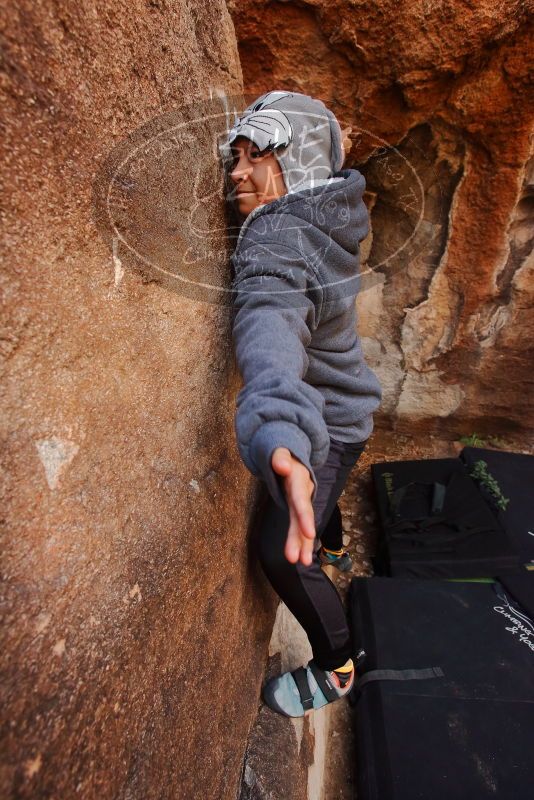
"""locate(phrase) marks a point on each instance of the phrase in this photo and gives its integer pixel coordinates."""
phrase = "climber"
(305, 411)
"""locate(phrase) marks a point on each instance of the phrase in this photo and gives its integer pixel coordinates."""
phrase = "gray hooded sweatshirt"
(294, 329)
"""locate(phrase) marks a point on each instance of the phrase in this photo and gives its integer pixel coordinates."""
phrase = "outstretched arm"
(276, 408)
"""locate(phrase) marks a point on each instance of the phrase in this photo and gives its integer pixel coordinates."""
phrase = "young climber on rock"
(305, 411)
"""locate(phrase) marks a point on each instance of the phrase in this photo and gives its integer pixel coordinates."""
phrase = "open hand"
(298, 487)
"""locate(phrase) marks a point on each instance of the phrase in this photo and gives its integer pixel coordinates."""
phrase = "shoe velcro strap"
(301, 679)
(326, 686)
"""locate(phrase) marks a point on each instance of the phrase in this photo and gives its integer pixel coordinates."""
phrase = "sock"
(344, 672)
(333, 552)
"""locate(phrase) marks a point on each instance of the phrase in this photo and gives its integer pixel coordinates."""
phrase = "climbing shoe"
(305, 689)
(339, 559)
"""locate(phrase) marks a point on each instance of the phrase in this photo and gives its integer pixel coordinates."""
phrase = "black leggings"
(307, 591)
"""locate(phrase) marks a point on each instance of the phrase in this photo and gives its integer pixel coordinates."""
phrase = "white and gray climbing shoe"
(305, 689)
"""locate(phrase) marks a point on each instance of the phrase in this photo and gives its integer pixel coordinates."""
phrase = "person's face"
(257, 178)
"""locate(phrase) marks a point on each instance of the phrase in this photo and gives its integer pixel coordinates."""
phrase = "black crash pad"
(462, 539)
(467, 733)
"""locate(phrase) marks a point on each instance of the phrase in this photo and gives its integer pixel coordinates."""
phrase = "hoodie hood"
(325, 225)
(300, 130)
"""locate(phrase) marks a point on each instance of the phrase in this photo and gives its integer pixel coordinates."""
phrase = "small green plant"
(473, 440)
(480, 473)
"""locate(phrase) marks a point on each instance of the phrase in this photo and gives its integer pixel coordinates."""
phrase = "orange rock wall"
(128, 595)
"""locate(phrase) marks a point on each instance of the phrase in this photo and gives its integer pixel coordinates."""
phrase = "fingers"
(305, 524)
(301, 534)
(298, 545)
(306, 551)
(292, 548)
(298, 486)
(306, 518)
(308, 535)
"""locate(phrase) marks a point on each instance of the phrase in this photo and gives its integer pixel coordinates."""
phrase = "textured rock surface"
(440, 98)
(286, 757)
(129, 598)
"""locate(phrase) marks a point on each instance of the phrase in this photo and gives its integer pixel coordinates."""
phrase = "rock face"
(286, 756)
(440, 99)
(129, 596)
